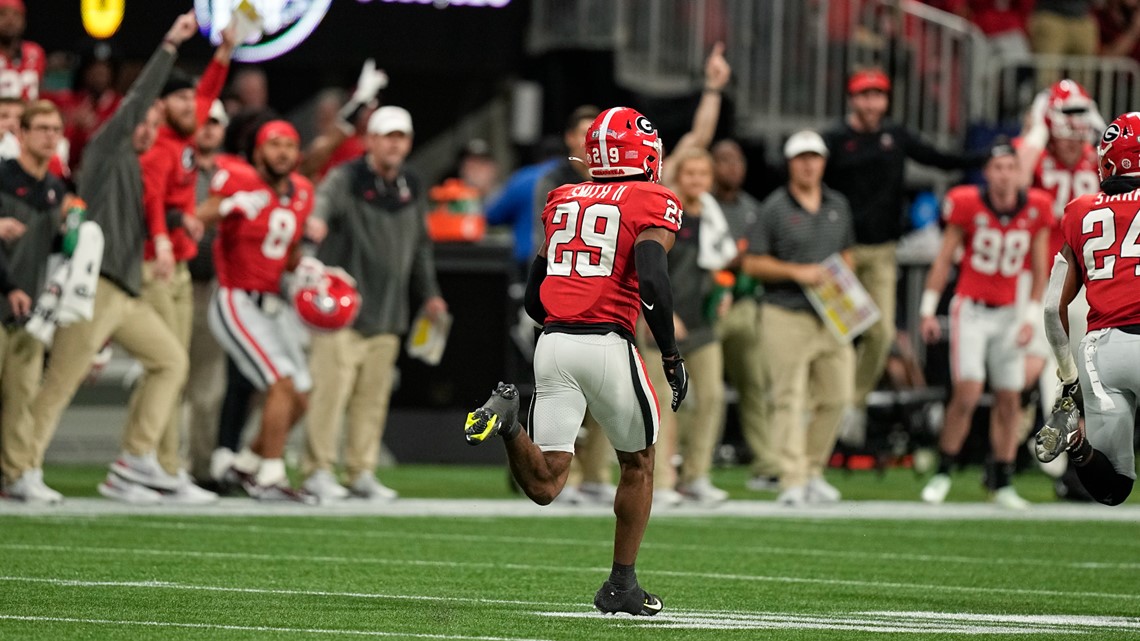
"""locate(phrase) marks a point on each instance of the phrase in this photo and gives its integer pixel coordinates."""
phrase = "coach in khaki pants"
(370, 220)
(809, 368)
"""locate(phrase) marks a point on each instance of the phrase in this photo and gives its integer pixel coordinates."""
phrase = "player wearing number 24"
(602, 264)
(998, 225)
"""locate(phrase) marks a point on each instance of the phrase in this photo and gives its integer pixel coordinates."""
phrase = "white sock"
(272, 472)
(246, 461)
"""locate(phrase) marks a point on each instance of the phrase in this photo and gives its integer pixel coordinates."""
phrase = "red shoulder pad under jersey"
(959, 205)
(233, 176)
(1040, 206)
(643, 204)
(1072, 220)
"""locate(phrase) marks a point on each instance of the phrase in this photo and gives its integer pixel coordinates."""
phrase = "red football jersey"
(995, 250)
(20, 77)
(1104, 234)
(590, 230)
(251, 251)
(1064, 184)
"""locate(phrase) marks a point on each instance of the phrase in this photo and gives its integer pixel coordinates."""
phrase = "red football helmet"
(332, 304)
(622, 142)
(1068, 111)
(1119, 148)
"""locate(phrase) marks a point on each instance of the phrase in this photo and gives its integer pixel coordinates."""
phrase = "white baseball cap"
(218, 114)
(389, 119)
(804, 142)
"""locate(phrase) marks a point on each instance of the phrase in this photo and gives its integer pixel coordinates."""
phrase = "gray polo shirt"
(788, 232)
(740, 213)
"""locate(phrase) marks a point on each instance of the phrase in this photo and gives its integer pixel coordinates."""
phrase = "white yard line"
(255, 628)
(607, 543)
(859, 510)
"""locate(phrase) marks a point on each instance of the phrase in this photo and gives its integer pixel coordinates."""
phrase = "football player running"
(1101, 254)
(997, 225)
(603, 259)
(261, 211)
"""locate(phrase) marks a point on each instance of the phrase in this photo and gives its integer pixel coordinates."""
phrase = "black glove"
(1073, 391)
(677, 376)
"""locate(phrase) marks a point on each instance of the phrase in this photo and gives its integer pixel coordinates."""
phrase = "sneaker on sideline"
(602, 493)
(30, 488)
(635, 601)
(763, 483)
(936, 489)
(794, 496)
(280, 492)
(124, 490)
(1008, 498)
(221, 459)
(368, 487)
(666, 497)
(820, 491)
(570, 495)
(188, 493)
(323, 485)
(703, 491)
(144, 470)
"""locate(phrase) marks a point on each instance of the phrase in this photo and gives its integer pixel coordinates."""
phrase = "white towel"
(70, 292)
(718, 247)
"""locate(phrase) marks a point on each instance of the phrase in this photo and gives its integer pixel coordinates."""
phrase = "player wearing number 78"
(261, 212)
(997, 224)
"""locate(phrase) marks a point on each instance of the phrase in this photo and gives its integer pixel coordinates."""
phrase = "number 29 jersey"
(252, 249)
(995, 247)
(1104, 233)
(591, 278)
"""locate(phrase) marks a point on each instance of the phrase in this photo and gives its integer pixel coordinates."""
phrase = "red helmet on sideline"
(331, 305)
(1068, 110)
(1119, 148)
(622, 142)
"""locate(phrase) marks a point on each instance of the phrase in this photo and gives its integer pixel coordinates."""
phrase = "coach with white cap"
(811, 370)
(370, 220)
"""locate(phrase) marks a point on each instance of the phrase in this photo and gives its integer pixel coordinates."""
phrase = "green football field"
(483, 565)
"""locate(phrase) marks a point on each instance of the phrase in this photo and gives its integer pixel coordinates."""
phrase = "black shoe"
(497, 417)
(635, 601)
(1062, 432)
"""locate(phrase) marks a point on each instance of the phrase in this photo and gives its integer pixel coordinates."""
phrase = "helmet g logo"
(1112, 133)
(644, 125)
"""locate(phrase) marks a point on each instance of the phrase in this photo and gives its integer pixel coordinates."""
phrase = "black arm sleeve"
(532, 302)
(656, 294)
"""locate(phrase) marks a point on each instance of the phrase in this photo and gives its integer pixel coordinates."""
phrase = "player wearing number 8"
(262, 210)
(998, 225)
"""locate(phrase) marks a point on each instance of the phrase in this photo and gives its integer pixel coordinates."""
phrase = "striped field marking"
(324, 632)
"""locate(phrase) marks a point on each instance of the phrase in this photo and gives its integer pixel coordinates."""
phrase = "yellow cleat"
(498, 416)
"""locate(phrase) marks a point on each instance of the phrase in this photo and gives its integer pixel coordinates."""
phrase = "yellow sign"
(101, 18)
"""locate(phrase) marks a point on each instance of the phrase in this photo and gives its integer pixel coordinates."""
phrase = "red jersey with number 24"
(591, 227)
(996, 247)
(252, 249)
(1104, 233)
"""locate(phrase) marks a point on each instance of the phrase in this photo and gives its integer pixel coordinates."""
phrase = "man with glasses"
(30, 215)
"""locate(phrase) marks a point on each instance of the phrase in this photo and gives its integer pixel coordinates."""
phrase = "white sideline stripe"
(530, 541)
(254, 628)
(1075, 620)
(482, 508)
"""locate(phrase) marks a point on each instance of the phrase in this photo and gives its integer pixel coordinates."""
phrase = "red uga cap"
(18, 5)
(868, 80)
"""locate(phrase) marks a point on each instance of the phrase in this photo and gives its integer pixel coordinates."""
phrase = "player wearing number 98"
(997, 224)
(602, 264)
(262, 211)
(1101, 254)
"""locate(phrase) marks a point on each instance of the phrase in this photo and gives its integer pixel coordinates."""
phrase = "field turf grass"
(82, 574)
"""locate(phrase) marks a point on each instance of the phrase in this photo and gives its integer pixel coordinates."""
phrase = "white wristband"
(1032, 312)
(929, 305)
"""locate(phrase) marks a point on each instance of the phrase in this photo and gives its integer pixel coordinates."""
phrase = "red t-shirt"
(170, 175)
(1104, 234)
(590, 231)
(252, 248)
(1064, 184)
(20, 77)
(995, 249)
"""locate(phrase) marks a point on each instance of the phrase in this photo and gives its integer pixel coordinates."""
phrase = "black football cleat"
(1062, 432)
(497, 417)
(635, 601)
